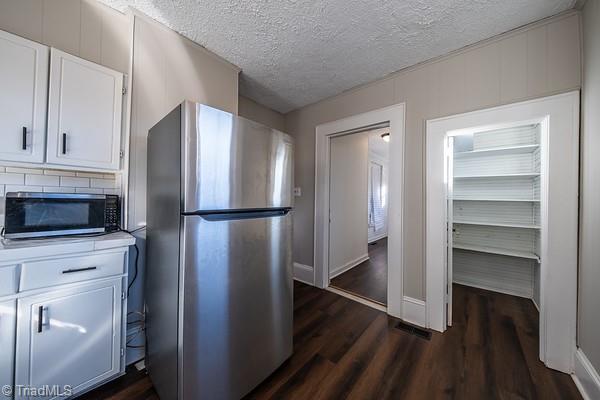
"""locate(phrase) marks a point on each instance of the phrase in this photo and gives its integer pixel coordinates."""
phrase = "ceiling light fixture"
(385, 136)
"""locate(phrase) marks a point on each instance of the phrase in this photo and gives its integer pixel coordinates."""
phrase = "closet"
(494, 210)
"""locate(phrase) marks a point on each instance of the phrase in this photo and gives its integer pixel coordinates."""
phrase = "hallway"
(369, 278)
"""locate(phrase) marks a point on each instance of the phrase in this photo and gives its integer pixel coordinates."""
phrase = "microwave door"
(30, 215)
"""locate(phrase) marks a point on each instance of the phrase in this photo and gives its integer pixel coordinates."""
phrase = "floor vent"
(413, 330)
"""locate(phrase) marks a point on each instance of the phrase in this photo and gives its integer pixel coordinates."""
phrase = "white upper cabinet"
(84, 113)
(23, 94)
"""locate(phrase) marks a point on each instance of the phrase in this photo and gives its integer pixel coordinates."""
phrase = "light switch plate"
(297, 192)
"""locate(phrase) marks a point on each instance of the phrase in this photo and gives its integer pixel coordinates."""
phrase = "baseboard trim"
(304, 274)
(414, 311)
(349, 265)
(586, 377)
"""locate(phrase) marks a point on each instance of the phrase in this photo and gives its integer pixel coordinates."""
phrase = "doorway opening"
(356, 196)
(501, 219)
(359, 168)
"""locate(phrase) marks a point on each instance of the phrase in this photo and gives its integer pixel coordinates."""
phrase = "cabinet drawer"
(8, 280)
(59, 271)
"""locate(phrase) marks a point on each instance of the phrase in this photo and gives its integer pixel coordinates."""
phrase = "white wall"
(250, 109)
(589, 238)
(348, 201)
(538, 60)
(168, 69)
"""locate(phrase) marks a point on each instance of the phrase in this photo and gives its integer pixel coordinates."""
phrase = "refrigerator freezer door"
(237, 303)
(229, 162)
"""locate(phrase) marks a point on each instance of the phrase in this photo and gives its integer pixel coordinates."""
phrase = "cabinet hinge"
(121, 154)
(122, 352)
(124, 91)
(123, 295)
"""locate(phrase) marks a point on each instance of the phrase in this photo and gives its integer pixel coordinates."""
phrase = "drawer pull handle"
(70, 271)
(40, 318)
(24, 142)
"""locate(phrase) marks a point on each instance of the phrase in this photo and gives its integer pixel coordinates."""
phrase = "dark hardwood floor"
(369, 278)
(345, 350)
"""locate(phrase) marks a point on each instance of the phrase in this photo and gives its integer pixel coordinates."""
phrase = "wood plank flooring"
(369, 278)
(344, 350)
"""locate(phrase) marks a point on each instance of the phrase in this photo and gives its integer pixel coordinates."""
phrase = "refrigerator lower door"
(236, 327)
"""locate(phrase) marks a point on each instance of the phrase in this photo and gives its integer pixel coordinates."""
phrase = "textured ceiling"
(296, 52)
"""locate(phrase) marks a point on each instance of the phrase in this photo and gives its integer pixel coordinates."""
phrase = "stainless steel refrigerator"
(219, 268)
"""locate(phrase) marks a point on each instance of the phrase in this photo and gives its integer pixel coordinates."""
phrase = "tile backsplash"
(16, 179)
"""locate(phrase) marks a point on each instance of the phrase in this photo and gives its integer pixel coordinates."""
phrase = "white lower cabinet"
(8, 319)
(69, 337)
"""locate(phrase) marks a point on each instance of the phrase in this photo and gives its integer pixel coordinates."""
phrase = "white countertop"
(19, 250)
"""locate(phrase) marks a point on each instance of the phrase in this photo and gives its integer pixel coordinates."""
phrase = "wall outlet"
(297, 192)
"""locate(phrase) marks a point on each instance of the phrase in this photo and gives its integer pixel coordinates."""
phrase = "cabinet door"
(84, 113)
(8, 319)
(69, 337)
(23, 94)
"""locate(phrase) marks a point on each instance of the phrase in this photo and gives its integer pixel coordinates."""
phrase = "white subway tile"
(90, 175)
(109, 176)
(2, 169)
(12, 179)
(88, 190)
(112, 191)
(1, 190)
(42, 180)
(22, 188)
(74, 182)
(103, 183)
(58, 189)
(58, 172)
(17, 170)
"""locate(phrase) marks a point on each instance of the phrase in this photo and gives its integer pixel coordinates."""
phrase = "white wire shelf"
(501, 224)
(496, 250)
(529, 148)
(492, 199)
(526, 175)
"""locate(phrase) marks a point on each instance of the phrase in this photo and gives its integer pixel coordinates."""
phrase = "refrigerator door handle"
(229, 215)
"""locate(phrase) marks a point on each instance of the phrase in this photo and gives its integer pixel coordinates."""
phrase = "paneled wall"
(538, 60)
(85, 28)
(250, 109)
(589, 221)
(168, 69)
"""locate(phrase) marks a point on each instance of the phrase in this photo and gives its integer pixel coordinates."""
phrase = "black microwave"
(30, 215)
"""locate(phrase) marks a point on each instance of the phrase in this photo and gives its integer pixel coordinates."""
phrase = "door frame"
(395, 117)
(376, 159)
(559, 215)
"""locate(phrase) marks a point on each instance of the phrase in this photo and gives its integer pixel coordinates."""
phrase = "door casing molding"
(559, 116)
(395, 117)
